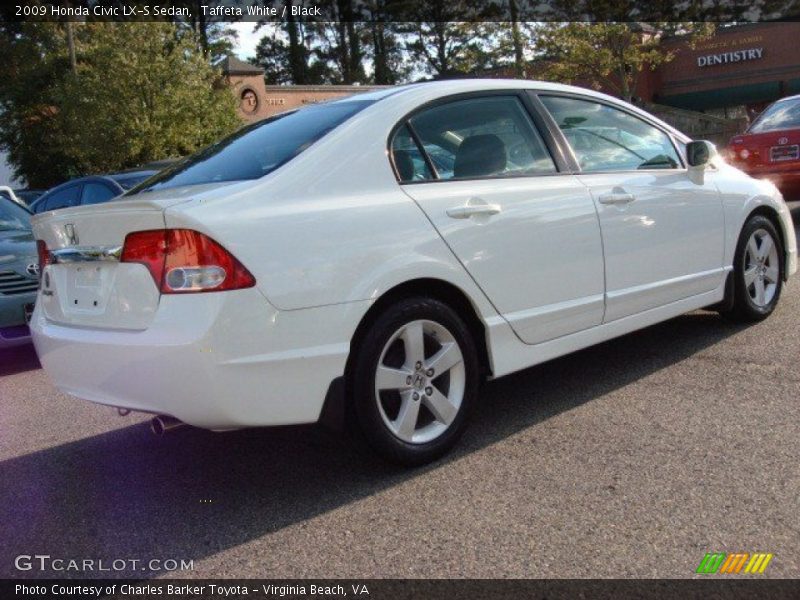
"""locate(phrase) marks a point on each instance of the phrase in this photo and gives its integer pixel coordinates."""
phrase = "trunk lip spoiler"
(79, 254)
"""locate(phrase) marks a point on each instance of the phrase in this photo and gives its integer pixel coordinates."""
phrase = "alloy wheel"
(420, 381)
(761, 268)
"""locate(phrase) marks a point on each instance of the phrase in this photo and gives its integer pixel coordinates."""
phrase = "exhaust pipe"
(164, 423)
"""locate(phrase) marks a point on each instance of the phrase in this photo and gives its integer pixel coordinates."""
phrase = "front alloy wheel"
(415, 377)
(757, 271)
(761, 268)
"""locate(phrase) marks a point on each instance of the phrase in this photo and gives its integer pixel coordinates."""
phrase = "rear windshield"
(12, 216)
(257, 149)
(781, 115)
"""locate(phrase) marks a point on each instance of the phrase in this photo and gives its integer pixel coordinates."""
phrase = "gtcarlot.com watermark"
(45, 562)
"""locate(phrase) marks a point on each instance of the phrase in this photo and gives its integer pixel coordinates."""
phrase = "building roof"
(233, 66)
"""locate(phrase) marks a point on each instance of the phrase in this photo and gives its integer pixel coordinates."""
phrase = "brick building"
(258, 100)
(747, 65)
(739, 70)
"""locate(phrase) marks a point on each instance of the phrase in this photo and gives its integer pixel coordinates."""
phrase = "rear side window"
(781, 115)
(94, 193)
(69, 196)
(258, 149)
(482, 137)
(604, 138)
(408, 160)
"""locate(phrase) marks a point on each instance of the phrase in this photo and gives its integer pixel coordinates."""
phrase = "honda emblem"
(72, 235)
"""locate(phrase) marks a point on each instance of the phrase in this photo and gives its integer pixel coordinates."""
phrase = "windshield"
(255, 150)
(13, 217)
(781, 115)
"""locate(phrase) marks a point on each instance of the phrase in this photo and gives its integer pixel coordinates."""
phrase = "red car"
(770, 148)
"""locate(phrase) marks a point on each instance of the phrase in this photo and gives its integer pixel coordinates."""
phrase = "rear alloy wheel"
(415, 379)
(758, 271)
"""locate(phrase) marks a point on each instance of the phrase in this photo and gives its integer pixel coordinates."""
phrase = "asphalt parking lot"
(630, 459)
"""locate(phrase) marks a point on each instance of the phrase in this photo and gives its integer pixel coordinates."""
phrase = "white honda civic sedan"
(376, 257)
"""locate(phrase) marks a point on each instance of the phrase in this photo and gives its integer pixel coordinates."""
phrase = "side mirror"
(698, 154)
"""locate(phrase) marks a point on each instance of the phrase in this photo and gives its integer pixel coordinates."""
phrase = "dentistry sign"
(724, 58)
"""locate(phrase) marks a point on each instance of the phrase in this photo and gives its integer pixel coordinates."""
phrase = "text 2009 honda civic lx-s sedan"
(399, 246)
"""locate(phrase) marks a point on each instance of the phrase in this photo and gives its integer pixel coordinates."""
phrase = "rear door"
(526, 232)
(663, 235)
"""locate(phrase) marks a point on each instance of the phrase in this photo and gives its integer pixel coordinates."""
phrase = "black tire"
(745, 308)
(368, 408)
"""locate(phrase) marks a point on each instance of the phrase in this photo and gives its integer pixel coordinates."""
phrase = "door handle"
(616, 196)
(472, 210)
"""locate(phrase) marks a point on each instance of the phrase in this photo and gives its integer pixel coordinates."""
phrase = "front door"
(663, 235)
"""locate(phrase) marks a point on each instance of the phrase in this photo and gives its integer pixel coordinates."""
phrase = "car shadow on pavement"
(192, 493)
(19, 359)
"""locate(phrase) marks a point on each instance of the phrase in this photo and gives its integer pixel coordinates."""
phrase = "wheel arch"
(768, 212)
(336, 409)
(439, 289)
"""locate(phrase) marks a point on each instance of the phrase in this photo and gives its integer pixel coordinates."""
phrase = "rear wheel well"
(429, 288)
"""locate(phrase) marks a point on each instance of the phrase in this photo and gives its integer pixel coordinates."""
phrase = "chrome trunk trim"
(78, 254)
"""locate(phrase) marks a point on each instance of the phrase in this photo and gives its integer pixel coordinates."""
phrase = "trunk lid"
(85, 292)
(775, 148)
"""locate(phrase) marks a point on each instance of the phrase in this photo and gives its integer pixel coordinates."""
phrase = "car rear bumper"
(11, 337)
(219, 361)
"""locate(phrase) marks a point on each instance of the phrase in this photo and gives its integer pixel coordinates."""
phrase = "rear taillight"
(44, 255)
(184, 261)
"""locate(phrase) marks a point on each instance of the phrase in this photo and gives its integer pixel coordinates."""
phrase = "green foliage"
(213, 35)
(608, 54)
(301, 51)
(447, 48)
(140, 92)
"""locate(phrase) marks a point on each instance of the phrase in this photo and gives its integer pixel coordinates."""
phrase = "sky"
(246, 46)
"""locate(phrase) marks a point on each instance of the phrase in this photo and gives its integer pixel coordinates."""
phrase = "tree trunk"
(516, 39)
(297, 49)
(381, 73)
(354, 42)
(73, 62)
(441, 50)
(200, 26)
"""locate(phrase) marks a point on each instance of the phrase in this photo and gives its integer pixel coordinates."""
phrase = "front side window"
(256, 150)
(604, 138)
(482, 137)
(781, 115)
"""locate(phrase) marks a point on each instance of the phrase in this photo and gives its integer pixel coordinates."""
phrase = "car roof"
(446, 87)
(132, 174)
(423, 92)
(787, 98)
(72, 182)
